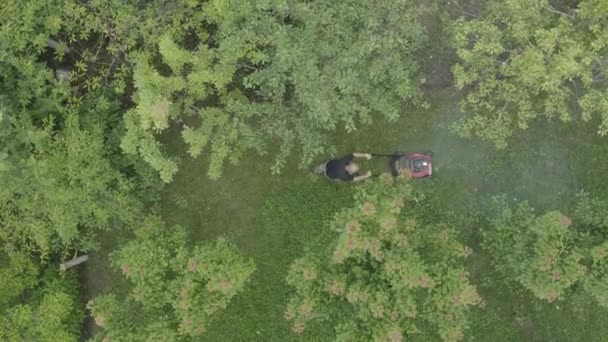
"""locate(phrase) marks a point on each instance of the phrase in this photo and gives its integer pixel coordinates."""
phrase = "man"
(344, 169)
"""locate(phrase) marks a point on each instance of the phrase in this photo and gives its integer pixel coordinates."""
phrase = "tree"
(62, 180)
(59, 188)
(387, 277)
(176, 290)
(91, 40)
(18, 273)
(523, 60)
(250, 77)
(63, 177)
(48, 311)
(549, 254)
(539, 252)
(67, 52)
(592, 213)
(269, 77)
(596, 284)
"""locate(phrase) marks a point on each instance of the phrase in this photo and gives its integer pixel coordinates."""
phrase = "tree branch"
(245, 66)
(553, 10)
(459, 8)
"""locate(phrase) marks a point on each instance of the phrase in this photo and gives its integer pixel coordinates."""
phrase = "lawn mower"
(416, 165)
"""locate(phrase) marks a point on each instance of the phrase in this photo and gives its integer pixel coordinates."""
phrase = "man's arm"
(362, 155)
(362, 177)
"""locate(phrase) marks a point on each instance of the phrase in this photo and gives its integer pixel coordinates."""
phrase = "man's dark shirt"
(336, 169)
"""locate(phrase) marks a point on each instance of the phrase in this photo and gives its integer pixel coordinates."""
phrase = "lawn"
(273, 219)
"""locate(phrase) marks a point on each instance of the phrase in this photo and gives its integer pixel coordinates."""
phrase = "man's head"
(352, 168)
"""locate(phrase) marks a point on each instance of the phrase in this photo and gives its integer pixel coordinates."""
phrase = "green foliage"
(148, 260)
(597, 282)
(224, 273)
(61, 183)
(59, 188)
(27, 25)
(553, 267)
(138, 141)
(539, 252)
(94, 42)
(536, 59)
(175, 291)
(387, 278)
(592, 213)
(51, 313)
(123, 322)
(274, 77)
(550, 254)
(18, 272)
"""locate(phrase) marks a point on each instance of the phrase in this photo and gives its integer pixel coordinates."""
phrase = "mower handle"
(398, 154)
(384, 155)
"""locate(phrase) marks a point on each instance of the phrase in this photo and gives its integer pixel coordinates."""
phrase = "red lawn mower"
(416, 165)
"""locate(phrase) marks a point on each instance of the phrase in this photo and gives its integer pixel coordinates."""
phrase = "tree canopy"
(550, 253)
(538, 251)
(59, 188)
(254, 76)
(387, 277)
(176, 290)
(35, 305)
(523, 60)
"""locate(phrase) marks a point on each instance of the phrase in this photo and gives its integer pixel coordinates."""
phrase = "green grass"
(293, 221)
(274, 219)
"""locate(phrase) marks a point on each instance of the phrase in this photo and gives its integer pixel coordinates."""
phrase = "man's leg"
(320, 169)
